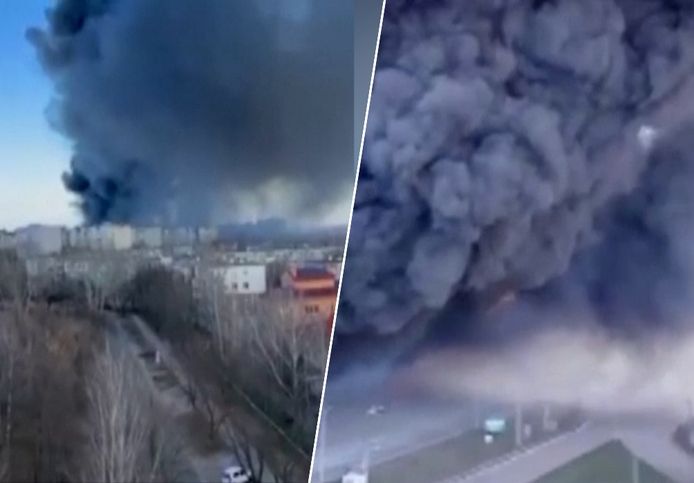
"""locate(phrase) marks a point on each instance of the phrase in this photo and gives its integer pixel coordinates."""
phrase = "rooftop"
(312, 273)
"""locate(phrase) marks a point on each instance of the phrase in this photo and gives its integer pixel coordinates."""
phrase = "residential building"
(315, 291)
(206, 235)
(242, 279)
(8, 240)
(118, 237)
(148, 237)
(177, 236)
(105, 237)
(40, 239)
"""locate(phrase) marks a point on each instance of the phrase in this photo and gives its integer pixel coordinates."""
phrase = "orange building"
(315, 290)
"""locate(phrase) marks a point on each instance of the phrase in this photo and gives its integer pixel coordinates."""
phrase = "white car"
(235, 474)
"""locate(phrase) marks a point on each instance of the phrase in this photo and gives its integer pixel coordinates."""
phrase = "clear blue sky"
(32, 155)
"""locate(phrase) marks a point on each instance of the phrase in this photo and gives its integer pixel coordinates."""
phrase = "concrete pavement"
(666, 458)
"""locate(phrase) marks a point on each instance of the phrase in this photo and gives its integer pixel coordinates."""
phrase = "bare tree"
(226, 314)
(94, 294)
(105, 284)
(14, 282)
(282, 354)
(39, 373)
(292, 353)
(165, 300)
(253, 459)
(8, 363)
(244, 452)
(14, 290)
(121, 422)
(203, 398)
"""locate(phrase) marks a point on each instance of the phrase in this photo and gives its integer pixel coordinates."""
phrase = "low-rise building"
(242, 279)
(315, 292)
(8, 240)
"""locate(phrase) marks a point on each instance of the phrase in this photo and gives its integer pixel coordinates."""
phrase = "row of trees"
(255, 348)
(73, 406)
(127, 437)
(258, 345)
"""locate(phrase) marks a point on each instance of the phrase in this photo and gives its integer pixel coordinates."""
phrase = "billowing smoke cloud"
(589, 368)
(203, 110)
(518, 145)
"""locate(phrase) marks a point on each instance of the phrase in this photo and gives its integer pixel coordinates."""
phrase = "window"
(234, 286)
(311, 309)
(245, 285)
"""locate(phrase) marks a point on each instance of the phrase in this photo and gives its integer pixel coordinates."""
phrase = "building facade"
(8, 240)
(105, 237)
(40, 239)
(315, 292)
(148, 237)
(242, 279)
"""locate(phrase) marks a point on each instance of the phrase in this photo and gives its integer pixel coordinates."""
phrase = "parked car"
(235, 474)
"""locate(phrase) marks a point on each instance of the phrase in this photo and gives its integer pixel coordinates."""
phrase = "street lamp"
(635, 467)
(519, 425)
(373, 411)
(322, 436)
(371, 447)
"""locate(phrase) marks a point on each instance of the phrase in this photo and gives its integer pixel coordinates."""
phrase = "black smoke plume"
(540, 147)
(189, 111)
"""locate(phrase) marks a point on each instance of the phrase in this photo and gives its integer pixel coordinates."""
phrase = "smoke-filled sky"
(203, 111)
(526, 184)
(511, 141)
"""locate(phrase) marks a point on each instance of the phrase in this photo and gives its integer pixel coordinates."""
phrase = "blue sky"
(32, 155)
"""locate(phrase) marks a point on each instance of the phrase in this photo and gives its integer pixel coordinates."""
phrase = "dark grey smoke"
(367, 16)
(191, 110)
(519, 145)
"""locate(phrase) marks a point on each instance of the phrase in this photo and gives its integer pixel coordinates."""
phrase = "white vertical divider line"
(344, 253)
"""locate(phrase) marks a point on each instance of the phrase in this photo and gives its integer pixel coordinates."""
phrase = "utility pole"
(372, 446)
(519, 425)
(545, 417)
(635, 467)
(322, 435)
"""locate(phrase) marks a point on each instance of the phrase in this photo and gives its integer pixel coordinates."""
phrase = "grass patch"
(611, 462)
(464, 453)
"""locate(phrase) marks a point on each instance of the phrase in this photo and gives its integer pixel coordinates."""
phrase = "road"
(665, 457)
(350, 434)
(404, 427)
(167, 378)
